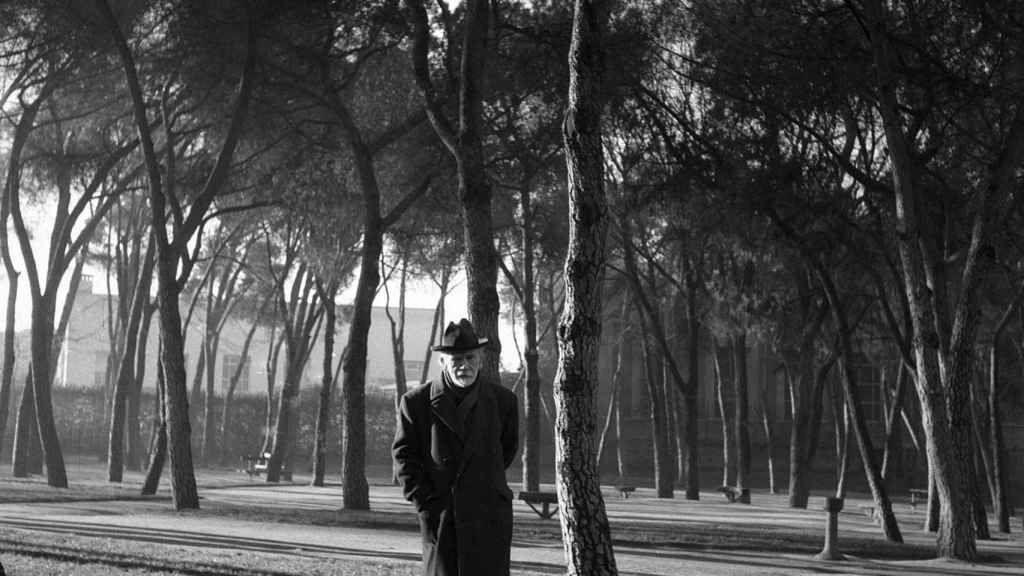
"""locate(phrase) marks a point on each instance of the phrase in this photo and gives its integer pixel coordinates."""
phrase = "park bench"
(542, 499)
(254, 466)
(918, 494)
(734, 494)
(625, 489)
(869, 511)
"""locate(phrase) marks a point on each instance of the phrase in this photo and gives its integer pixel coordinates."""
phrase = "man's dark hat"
(460, 337)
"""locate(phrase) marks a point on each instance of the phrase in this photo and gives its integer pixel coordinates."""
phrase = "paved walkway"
(536, 548)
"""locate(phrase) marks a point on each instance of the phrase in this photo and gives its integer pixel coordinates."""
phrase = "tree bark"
(7, 371)
(586, 537)
(25, 455)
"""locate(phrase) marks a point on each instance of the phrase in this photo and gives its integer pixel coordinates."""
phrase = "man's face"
(461, 367)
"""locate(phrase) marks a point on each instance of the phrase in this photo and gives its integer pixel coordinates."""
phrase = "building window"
(413, 370)
(228, 367)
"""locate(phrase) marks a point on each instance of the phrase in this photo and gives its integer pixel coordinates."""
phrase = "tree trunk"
(355, 491)
(465, 143)
(741, 384)
(806, 426)
(769, 436)
(126, 369)
(135, 456)
(42, 358)
(273, 352)
(883, 505)
(25, 456)
(158, 440)
(978, 501)
(323, 412)
(398, 334)
(586, 538)
(531, 399)
(723, 414)
(196, 393)
(997, 446)
(179, 429)
(207, 450)
(659, 429)
(7, 372)
(893, 457)
(615, 395)
(691, 466)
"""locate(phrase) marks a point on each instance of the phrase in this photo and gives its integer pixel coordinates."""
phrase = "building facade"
(86, 353)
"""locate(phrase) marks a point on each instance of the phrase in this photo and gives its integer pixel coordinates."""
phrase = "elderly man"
(456, 436)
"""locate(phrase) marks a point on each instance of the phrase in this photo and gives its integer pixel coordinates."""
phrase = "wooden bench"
(254, 466)
(542, 499)
(625, 489)
(918, 494)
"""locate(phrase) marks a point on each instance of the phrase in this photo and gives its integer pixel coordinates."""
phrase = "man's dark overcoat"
(451, 462)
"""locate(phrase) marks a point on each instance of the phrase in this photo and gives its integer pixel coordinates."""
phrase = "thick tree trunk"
(179, 429)
(7, 372)
(43, 310)
(355, 491)
(806, 429)
(25, 458)
(465, 143)
(586, 538)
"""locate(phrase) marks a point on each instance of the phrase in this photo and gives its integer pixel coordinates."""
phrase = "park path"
(395, 538)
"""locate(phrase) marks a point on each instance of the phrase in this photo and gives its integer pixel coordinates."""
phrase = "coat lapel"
(444, 409)
(476, 423)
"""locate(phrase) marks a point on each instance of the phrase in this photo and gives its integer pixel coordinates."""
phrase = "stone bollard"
(833, 506)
